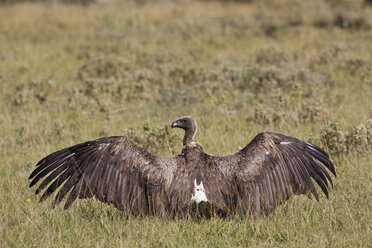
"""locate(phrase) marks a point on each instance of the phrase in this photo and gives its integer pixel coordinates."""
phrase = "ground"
(71, 73)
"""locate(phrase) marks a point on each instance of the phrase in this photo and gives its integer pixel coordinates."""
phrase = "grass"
(71, 73)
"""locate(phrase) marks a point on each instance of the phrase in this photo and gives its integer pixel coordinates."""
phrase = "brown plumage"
(117, 171)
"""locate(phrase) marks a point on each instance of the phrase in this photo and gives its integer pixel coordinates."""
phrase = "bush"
(360, 137)
(337, 142)
(154, 139)
(333, 138)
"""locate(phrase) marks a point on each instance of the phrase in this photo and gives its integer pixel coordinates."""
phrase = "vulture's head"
(188, 124)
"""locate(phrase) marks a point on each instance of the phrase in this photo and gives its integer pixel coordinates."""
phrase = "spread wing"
(266, 173)
(115, 170)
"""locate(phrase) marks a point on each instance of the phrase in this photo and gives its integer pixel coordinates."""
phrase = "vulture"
(118, 171)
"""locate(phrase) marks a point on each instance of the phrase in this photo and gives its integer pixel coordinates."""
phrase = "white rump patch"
(267, 153)
(147, 162)
(199, 193)
(285, 143)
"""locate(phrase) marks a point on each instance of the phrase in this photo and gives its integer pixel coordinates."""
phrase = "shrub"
(333, 138)
(337, 142)
(360, 137)
(158, 139)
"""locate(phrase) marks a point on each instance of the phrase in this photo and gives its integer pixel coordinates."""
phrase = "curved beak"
(174, 124)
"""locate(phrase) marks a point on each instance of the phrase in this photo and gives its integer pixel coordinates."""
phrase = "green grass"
(70, 74)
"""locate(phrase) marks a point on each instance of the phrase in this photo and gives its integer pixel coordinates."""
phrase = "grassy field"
(74, 73)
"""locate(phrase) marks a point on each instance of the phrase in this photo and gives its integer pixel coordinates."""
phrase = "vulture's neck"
(189, 134)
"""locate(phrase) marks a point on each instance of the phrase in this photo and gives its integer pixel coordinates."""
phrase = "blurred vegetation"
(82, 2)
(71, 73)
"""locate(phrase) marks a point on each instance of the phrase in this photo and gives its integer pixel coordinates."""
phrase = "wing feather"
(49, 169)
(73, 195)
(115, 170)
(271, 168)
(61, 179)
